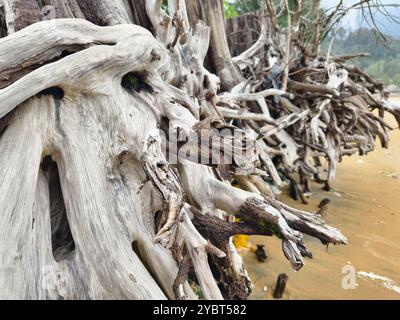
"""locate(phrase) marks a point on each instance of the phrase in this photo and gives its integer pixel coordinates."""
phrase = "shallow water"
(366, 208)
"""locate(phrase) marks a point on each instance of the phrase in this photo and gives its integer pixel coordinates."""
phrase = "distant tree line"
(384, 60)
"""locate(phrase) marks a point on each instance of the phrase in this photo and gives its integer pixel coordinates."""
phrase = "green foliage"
(235, 8)
(230, 10)
(388, 71)
(270, 227)
(164, 6)
(196, 289)
(130, 82)
(384, 62)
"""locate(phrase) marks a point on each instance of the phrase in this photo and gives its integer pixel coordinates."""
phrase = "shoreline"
(365, 206)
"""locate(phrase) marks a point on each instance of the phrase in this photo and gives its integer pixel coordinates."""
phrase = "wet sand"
(366, 208)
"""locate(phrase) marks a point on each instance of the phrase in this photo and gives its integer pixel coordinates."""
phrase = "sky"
(354, 19)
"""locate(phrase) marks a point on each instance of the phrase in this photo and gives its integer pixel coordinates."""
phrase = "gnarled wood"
(105, 102)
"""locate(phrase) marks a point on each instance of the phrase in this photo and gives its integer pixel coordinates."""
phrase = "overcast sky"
(354, 19)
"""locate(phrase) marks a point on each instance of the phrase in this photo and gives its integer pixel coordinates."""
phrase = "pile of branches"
(306, 109)
(104, 100)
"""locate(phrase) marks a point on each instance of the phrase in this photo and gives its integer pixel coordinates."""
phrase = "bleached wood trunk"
(91, 209)
(212, 12)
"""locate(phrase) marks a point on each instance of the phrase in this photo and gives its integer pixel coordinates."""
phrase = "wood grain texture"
(100, 101)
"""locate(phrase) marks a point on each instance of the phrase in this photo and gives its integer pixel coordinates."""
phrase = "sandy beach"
(366, 208)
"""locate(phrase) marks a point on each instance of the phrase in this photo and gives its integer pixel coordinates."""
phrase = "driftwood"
(103, 195)
(329, 113)
(281, 286)
(260, 253)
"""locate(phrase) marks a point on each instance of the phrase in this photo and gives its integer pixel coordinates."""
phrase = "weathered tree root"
(285, 222)
(183, 275)
(167, 183)
(99, 113)
(199, 248)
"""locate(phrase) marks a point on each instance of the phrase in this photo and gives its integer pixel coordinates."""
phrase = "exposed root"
(182, 277)
(167, 183)
(199, 248)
